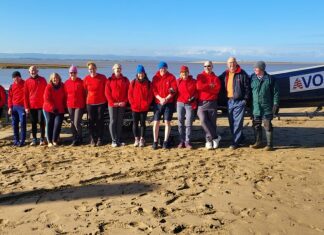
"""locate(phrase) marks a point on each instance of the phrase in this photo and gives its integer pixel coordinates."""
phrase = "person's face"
(92, 70)
(208, 68)
(184, 75)
(141, 76)
(117, 71)
(33, 71)
(258, 72)
(16, 79)
(56, 80)
(73, 75)
(163, 71)
(231, 64)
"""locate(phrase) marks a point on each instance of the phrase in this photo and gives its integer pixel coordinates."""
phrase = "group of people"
(46, 103)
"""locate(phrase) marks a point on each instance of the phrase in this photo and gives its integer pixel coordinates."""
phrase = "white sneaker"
(216, 142)
(49, 144)
(137, 142)
(114, 144)
(209, 145)
(142, 142)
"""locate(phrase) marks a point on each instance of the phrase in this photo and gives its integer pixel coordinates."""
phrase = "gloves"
(275, 109)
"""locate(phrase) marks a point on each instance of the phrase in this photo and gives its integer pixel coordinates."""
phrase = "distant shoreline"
(67, 65)
(26, 66)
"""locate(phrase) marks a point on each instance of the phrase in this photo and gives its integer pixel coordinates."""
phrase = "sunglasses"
(207, 66)
(72, 72)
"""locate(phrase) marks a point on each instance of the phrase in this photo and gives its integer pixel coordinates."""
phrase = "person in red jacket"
(75, 101)
(186, 104)
(2, 101)
(54, 108)
(16, 109)
(140, 96)
(208, 86)
(34, 99)
(164, 89)
(117, 95)
(94, 85)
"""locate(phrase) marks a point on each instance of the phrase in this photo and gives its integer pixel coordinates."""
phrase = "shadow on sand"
(69, 193)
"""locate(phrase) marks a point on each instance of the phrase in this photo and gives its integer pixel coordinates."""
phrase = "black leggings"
(37, 116)
(96, 120)
(139, 118)
(53, 126)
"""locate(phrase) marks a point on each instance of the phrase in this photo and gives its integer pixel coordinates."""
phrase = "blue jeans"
(207, 113)
(185, 119)
(53, 126)
(236, 109)
(19, 115)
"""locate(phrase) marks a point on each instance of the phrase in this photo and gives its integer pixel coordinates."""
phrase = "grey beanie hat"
(260, 64)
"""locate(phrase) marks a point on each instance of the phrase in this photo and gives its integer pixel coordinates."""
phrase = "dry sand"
(105, 190)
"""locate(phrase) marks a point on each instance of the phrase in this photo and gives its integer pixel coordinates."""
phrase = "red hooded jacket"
(140, 95)
(75, 93)
(2, 96)
(186, 90)
(34, 92)
(16, 94)
(205, 92)
(95, 89)
(54, 99)
(117, 90)
(162, 84)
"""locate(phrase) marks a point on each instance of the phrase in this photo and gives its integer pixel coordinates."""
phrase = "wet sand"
(127, 190)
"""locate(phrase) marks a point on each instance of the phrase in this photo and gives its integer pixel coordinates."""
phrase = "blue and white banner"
(306, 82)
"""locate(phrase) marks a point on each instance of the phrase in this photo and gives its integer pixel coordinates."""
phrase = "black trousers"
(96, 120)
(37, 116)
(139, 125)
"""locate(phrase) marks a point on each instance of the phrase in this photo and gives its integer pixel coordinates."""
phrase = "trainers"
(233, 147)
(21, 144)
(99, 142)
(55, 144)
(181, 145)
(120, 143)
(188, 145)
(74, 143)
(142, 142)
(155, 145)
(216, 142)
(136, 143)
(209, 145)
(16, 143)
(49, 144)
(33, 143)
(114, 144)
(92, 143)
(165, 145)
(42, 142)
(268, 148)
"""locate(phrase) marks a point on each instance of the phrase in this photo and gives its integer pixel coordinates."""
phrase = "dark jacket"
(241, 86)
(265, 94)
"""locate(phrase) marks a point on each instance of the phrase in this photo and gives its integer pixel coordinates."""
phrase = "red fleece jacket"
(16, 94)
(162, 84)
(205, 91)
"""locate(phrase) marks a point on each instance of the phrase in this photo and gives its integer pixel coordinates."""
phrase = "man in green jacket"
(265, 101)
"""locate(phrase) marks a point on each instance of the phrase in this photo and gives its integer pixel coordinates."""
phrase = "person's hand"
(116, 104)
(27, 111)
(275, 109)
(9, 111)
(212, 85)
(122, 104)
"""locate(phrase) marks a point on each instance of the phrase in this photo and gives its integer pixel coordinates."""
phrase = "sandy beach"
(127, 190)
